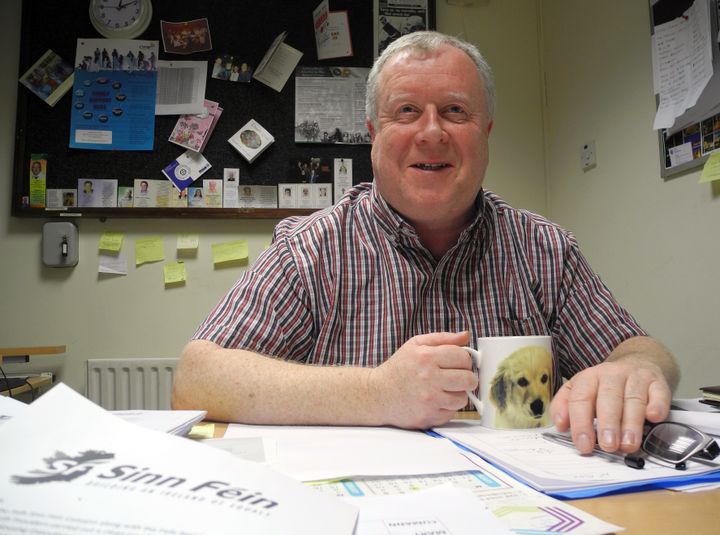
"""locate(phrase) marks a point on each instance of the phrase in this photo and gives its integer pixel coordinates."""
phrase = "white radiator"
(122, 384)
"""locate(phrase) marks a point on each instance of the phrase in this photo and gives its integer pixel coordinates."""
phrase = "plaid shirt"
(350, 284)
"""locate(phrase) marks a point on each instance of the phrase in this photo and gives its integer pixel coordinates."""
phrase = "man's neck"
(440, 238)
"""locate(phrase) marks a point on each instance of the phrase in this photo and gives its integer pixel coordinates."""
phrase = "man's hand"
(630, 387)
(425, 381)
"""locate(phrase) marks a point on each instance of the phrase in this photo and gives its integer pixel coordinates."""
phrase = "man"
(381, 290)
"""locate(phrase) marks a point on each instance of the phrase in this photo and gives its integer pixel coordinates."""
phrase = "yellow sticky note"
(174, 272)
(149, 250)
(232, 251)
(111, 241)
(188, 241)
(711, 171)
(202, 431)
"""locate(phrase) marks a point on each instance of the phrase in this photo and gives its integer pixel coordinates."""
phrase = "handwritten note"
(233, 251)
(188, 242)
(149, 250)
(711, 171)
(174, 273)
(111, 241)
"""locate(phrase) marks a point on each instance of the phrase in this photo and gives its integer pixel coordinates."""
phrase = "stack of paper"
(93, 472)
(561, 471)
(173, 422)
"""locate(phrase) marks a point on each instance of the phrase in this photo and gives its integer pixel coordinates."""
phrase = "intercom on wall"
(60, 244)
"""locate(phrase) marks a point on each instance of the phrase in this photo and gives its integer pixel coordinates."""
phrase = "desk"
(659, 512)
(36, 382)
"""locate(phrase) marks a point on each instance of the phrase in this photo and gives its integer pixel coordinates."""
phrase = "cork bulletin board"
(247, 28)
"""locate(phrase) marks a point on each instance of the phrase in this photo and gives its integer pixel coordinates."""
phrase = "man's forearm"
(241, 386)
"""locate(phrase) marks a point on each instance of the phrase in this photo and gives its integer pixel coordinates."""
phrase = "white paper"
(278, 64)
(10, 408)
(259, 450)
(310, 453)
(257, 196)
(342, 177)
(683, 55)
(330, 105)
(90, 472)
(97, 193)
(442, 510)
(180, 87)
(230, 187)
(114, 264)
(60, 199)
(173, 422)
(552, 467)
(692, 404)
(709, 422)
(151, 193)
(680, 154)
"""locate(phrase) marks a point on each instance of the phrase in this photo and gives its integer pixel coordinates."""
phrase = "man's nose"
(431, 129)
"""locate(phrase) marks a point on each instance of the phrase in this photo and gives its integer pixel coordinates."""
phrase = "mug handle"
(477, 358)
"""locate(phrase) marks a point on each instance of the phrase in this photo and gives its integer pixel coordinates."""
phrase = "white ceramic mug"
(515, 381)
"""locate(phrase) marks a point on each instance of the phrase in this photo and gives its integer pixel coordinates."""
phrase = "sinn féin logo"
(62, 467)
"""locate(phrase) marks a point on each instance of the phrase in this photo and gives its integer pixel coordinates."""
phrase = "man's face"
(430, 141)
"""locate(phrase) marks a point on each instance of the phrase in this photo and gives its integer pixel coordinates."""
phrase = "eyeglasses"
(674, 443)
(669, 443)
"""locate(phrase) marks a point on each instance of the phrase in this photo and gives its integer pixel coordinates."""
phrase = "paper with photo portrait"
(97, 193)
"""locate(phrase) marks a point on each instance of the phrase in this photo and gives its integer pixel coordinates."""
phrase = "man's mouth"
(431, 166)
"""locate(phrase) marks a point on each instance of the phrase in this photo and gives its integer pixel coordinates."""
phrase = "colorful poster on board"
(113, 98)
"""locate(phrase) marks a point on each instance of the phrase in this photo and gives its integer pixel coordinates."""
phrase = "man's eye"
(455, 111)
(407, 109)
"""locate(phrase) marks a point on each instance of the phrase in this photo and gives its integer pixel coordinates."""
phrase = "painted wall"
(652, 240)
(134, 316)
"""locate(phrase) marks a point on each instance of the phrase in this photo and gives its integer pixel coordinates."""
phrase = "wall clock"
(120, 19)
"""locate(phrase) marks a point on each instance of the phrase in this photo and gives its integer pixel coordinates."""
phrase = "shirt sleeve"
(265, 311)
(590, 321)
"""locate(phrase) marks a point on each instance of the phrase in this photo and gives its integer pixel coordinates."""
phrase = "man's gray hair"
(427, 41)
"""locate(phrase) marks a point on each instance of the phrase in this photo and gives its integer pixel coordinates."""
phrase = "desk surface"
(660, 512)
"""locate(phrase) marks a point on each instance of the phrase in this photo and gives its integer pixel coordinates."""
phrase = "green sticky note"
(187, 242)
(232, 251)
(111, 241)
(711, 171)
(174, 273)
(149, 250)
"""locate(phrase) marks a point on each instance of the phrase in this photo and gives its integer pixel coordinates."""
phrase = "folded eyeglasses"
(674, 443)
(669, 443)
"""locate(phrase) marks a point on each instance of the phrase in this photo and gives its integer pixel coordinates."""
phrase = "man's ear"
(489, 127)
(371, 129)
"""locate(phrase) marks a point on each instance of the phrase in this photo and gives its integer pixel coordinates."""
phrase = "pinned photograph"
(186, 37)
(232, 68)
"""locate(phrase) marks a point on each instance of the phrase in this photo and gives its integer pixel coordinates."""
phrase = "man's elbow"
(185, 387)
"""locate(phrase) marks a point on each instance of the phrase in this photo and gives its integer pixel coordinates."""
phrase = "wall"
(134, 316)
(652, 240)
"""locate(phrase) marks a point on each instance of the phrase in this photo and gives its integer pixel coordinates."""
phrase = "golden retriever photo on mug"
(521, 389)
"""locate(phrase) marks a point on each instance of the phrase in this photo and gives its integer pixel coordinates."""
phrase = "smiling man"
(357, 314)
